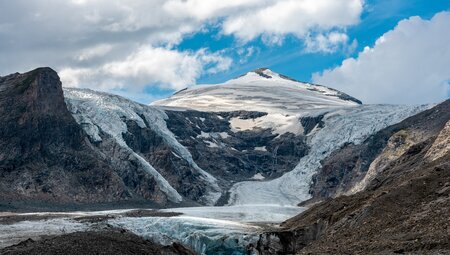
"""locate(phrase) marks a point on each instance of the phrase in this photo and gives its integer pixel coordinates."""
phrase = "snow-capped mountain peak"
(260, 90)
(267, 74)
(258, 74)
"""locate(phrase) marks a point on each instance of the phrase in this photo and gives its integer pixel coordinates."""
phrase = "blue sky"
(146, 50)
(379, 16)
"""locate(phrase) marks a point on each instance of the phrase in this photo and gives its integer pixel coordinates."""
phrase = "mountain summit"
(260, 90)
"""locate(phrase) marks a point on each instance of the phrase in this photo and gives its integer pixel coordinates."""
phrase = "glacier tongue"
(97, 111)
(210, 230)
(205, 236)
(346, 125)
(344, 122)
(286, 101)
(207, 230)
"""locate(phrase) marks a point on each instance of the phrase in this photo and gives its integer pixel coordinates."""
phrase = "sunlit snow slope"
(345, 120)
(260, 90)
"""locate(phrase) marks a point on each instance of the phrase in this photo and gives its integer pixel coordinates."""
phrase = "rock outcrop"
(44, 154)
(232, 155)
(46, 157)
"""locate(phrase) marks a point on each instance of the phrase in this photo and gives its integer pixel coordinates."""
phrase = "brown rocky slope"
(404, 208)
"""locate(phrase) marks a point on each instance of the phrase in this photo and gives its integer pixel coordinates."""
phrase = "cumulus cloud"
(407, 65)
(329, 43)
(293, 17)
(99, 42)
(164, 67)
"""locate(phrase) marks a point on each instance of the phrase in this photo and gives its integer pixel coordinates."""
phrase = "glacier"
(254, 204)
(205, 236)
(207, 230)
(211, 230)
(286, 101)
(97, 111)
(346, 125)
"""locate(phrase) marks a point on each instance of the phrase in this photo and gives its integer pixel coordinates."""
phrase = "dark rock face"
(44, 153)
(155, 150)
(235, 156)
(260, 72)
(309, 123)
(32, 110)
(404, 209)
(100, 242)
(41, 144)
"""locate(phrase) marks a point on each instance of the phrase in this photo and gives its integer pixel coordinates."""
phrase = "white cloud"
(327, 43)
(165, 67)
(408, 65)
(247, 52)
(95, 42)
(297, 17)
(93, 52)
(211, 9)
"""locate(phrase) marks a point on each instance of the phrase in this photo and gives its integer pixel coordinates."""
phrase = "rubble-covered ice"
(11, 234)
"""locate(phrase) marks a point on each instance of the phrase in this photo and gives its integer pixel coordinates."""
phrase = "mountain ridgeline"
(78, 146)
(376, 177)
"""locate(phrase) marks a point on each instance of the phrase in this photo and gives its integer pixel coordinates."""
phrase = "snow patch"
(277, 122)
(211, 144)
(173, 153)
(258, 176)
(224, 135)
(263, 148)
(204, 135)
